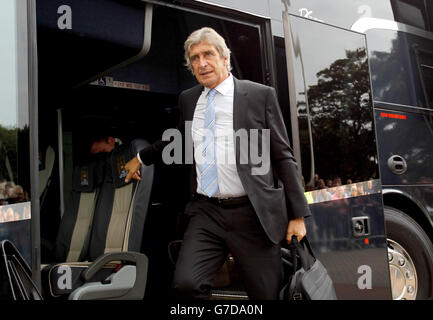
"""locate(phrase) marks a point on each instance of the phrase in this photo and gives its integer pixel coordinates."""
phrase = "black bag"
(307, 280)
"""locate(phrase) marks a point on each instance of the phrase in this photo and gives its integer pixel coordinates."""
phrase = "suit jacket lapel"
(192, 102)
(240, 104)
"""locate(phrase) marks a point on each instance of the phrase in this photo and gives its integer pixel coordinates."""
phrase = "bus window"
(14, 137)
(426, 68)
(334, 106)
(14, 186)
(333, 133)
(411, 12)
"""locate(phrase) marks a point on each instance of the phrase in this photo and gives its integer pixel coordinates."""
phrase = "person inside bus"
(231, 209)
(103, 144)
(322, 192)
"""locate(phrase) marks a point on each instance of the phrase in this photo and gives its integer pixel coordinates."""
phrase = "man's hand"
(296, 228)
(133, 169)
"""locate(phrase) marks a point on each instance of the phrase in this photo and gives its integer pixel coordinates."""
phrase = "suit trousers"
(214, 230)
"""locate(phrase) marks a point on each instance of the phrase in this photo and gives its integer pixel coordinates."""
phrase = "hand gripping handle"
(296, 247)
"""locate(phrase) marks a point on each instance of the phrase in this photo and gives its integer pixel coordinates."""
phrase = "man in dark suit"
(236, 206)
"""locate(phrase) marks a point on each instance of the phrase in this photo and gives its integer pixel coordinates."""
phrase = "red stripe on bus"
(392, 115)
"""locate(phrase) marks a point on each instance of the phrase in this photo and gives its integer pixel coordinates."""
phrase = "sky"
(8, 64)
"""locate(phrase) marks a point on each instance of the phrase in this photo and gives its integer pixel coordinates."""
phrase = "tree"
(342, 118)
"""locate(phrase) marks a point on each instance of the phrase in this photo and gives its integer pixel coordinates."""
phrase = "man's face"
(104, 145)
(210, 69)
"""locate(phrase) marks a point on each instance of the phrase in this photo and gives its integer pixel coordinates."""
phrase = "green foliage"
(8, 150)
(342, 118)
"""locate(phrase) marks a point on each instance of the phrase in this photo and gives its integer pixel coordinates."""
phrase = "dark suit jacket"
(277, 196)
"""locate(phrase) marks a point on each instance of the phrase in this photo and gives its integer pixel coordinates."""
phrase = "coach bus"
(354, 79)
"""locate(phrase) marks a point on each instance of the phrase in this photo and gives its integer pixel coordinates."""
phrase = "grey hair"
(208, 35)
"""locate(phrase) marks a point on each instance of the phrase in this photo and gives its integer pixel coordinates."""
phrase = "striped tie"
(209, 179)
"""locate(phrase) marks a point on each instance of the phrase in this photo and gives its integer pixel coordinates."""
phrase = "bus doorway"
(109, 88)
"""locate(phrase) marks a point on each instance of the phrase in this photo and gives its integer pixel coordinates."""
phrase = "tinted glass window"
(14, 146)
(396, 58)
(411, 12)
(334, 104)
(426, 67)
(13, 121)
(391, 67)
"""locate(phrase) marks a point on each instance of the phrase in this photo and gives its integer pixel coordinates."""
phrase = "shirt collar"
(224, 87)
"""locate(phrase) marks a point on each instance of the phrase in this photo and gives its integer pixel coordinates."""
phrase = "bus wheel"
(410, 257)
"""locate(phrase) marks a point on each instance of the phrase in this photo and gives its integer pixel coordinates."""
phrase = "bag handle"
(296, 247)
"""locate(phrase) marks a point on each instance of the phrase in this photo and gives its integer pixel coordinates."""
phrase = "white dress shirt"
(228, 179)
